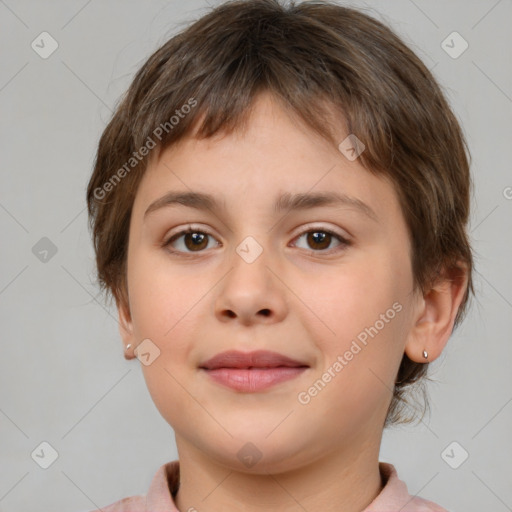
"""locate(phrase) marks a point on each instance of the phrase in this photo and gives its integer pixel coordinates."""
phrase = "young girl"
(279, 209)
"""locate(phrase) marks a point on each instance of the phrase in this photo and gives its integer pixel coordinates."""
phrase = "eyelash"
(344, 243)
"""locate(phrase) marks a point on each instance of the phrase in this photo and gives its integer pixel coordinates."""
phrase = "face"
(328, 285)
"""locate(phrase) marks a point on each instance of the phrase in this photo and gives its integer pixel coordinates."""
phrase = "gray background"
(63, 377)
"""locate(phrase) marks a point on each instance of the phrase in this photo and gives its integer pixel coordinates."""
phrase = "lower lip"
(254, 379)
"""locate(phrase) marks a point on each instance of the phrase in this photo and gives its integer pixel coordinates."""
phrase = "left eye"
(195, 240)
(322, 238)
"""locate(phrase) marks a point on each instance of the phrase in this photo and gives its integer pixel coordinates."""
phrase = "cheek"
(159, 294)
(365, 312)
(352, 298)
(359, 367)
(163, 312)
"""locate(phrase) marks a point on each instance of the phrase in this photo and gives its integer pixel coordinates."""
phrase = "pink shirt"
(394, 497)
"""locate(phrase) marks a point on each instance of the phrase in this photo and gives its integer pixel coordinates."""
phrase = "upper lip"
(256, 359)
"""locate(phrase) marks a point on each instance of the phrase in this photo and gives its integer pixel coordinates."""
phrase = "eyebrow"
(286, 201)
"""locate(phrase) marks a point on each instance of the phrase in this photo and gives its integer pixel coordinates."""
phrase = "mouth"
(252, 371)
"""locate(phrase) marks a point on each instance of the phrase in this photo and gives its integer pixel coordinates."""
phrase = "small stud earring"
(425, 354)
(128, 347)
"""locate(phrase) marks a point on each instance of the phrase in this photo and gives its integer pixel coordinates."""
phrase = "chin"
(259, 453)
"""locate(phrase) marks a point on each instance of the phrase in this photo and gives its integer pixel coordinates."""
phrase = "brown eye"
(193, 241)
(320, 239)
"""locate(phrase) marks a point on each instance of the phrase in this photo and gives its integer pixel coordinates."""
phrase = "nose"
(251, 293)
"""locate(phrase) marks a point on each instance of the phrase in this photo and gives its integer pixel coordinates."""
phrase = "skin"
(302, 299)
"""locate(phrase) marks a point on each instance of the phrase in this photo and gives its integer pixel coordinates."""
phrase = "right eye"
(194, 240)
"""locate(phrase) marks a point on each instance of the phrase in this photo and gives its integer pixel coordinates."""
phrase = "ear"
(436, 315)
(125, 327)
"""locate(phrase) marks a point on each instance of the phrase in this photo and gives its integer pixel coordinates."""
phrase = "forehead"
(272, 158)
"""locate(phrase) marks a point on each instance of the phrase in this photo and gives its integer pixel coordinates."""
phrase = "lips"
(246, 360)
(252, 372)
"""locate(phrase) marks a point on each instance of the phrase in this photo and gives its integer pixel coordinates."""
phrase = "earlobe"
(435, 318)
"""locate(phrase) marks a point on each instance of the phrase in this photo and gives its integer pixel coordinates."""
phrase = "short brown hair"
(320, 61)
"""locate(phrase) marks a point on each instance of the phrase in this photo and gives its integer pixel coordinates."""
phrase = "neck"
(344, 478)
